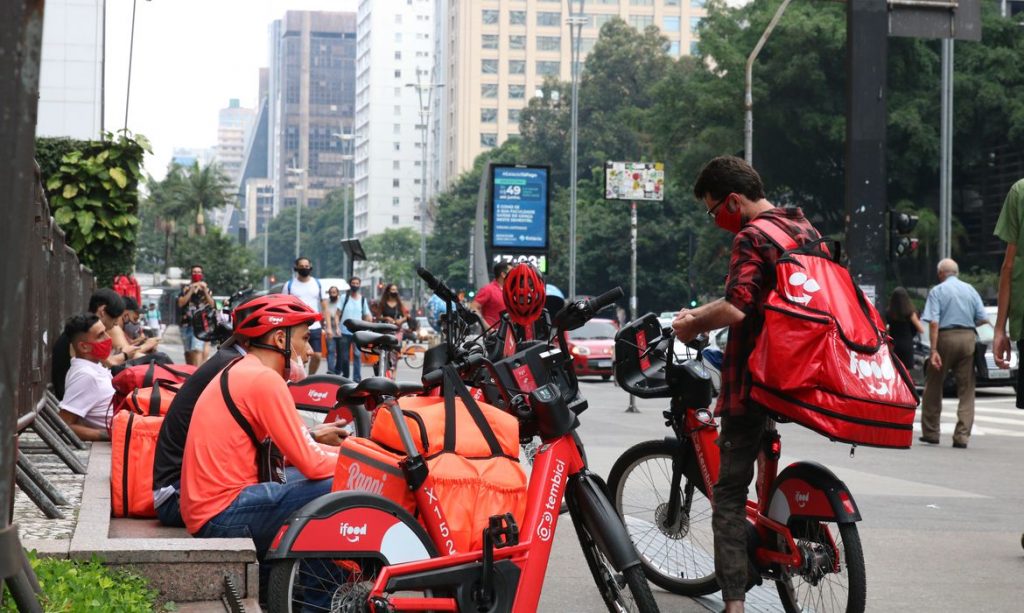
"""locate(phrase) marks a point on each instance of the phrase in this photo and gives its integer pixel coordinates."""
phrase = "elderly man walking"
(953, 311)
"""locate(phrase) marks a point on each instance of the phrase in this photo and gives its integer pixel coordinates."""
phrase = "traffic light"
(900, 225)
(693, 303)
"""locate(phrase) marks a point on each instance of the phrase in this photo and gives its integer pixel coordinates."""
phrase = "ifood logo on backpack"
(877, 372)
(807, 285)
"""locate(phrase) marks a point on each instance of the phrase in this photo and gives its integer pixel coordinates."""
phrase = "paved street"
(941, 530)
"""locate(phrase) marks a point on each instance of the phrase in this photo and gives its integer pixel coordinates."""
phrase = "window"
(490, 41)
(398, 109)
(398, 74)
(693, 49)
(641, 21)
(398, 18)
(517, 41)
(398, 146)
(549, 43)
(396, 165)
(517, 67)
(397, 128)
(489, 66)
(586, 44)
(549, 19)
(398, 37)
(673, 48)
(489, 139)
(548, 69)
(396, 182)
(396, 201)
(488, 115)
(694, 24)
(601, 19)
(697, 4)
(398, 55)
(670, 24)
(516, 18)
(614, 2)
(394, 220)
(641, 2)
(490, 17)
(516, 92)
(398, 92)
(513, 115)
(489, 90)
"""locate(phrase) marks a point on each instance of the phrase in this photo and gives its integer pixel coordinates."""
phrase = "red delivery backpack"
(133, 438)
(145, 375)
(128, 286)
(155, 400)
(823, 358)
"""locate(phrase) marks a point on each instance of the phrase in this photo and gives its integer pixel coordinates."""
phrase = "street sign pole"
(632, 283)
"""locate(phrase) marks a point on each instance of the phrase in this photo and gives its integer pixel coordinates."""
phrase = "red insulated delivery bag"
(823, 358)
(145, 375)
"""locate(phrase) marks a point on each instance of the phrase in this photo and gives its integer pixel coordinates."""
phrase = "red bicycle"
(359, 551)
(803, 533)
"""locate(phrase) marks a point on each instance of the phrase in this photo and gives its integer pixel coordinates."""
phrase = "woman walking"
(904, 324)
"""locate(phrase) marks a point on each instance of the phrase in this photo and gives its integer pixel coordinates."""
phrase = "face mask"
(101, 349)
(354, 289)
(333, 298)
(303, 272)
(728, 220)
(197, 277)
(297, 372)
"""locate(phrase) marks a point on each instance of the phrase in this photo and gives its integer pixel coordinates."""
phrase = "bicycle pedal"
(503, 530)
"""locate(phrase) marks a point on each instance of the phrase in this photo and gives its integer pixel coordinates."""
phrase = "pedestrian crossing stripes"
(992, 417)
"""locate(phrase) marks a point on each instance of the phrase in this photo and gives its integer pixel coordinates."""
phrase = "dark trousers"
(739, 441)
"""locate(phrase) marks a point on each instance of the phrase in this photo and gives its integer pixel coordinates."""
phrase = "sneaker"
(957, 445)
(930, 441)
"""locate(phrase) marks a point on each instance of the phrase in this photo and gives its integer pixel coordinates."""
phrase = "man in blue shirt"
(953, 311)
(435, 308)
(354, 306)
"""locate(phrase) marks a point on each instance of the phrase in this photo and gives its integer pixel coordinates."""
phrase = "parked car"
(592, 347)
(993, 375)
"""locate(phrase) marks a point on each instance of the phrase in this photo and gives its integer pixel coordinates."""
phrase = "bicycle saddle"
(358, 325)
(372, 340)
(377, 387)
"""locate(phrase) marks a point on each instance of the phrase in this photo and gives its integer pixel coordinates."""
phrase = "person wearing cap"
(221, 495)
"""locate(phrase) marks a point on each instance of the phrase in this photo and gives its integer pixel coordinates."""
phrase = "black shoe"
(957, 445)
(930, 441)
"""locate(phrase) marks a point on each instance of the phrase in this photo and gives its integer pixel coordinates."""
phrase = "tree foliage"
(93, 193)
(393, 255)
(227, 266)
(321, 236)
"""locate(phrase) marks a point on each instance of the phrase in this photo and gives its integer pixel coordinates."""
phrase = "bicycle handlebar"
(462, 365)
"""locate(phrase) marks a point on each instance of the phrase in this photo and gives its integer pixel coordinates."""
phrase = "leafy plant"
(73, 585)
(94, 197)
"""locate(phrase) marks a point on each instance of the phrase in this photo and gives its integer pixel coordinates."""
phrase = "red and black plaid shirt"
(751, 276)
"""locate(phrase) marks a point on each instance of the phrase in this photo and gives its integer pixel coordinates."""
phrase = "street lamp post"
(576, 21)
(346, 177)
(298, 206)
(428, 89)
(748, 97)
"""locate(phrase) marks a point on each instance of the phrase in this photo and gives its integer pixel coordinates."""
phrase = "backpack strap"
(288, 288)
(452, 383)
(775, 233)
(242, 422)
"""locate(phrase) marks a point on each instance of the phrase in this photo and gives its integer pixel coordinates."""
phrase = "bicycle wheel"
(321, 584)
(636, 597)
(833, 578)
(414, 355)
(679, 558)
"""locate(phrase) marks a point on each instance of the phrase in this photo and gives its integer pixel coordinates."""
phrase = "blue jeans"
(332, 355)
(344, 348)
(169, 513)
(189, 340)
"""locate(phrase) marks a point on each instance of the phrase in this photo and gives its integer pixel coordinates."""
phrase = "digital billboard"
(519, 208)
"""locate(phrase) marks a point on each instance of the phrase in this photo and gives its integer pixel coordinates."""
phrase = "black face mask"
(333, 297)
(353, 289)
(303, 272)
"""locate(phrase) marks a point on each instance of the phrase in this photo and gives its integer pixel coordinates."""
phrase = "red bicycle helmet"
(524, 294)
(256, 317)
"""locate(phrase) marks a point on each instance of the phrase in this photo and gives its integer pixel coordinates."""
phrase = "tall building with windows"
(310, 103)
(495, 54)
(234, 123)
(395, 49)
(71, 69)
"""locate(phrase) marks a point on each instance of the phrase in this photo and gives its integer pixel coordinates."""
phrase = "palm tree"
(199, 189)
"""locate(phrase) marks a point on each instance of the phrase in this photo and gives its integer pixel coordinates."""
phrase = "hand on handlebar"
(685, 326)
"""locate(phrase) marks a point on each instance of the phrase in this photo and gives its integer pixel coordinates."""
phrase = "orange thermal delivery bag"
(133, 435)
(472, 452)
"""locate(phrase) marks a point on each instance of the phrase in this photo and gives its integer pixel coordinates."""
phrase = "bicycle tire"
(639, 485)
(610, 583)
(826, 592)
(414, 356)
(329, 588)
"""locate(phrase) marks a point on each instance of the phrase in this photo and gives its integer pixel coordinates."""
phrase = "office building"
(71, 70)
(259, 205)
(187, 156)
(395, 55)
(233, 126)
(496, 55)
(310, 102)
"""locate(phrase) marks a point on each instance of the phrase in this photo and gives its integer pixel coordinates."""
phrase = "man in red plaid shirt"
(733, 194)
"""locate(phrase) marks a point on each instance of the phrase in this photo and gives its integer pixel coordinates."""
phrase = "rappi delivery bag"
(823, 358)
(133, 449)
(472, 453)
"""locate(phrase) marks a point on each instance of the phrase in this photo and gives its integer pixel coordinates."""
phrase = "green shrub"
(71, 586)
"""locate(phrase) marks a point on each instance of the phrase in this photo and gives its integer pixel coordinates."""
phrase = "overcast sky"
(191, 57)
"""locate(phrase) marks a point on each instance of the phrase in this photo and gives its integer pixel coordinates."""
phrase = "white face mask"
(297, 372)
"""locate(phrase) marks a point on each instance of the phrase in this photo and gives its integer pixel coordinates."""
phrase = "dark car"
(592, 347)
(992, 376)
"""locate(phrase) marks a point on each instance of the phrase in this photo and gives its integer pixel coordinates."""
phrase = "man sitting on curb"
(170, 445)
(88, 388)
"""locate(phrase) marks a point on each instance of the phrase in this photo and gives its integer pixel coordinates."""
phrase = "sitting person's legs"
(169, 510)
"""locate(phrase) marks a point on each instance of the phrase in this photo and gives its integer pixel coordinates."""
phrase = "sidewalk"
(170, 343)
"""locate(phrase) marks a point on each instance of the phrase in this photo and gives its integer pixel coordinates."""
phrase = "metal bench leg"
(41, 481)
(63, 452)
(36, 495)
(53, 420)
